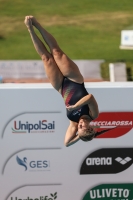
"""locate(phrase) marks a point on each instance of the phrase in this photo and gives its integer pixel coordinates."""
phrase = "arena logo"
(116, 124)
(110, 191)
(99, 161)
(33, 165)
(40, 127)
(52, 197)
(107, 161)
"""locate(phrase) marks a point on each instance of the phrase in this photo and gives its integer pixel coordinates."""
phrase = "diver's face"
(83, 124)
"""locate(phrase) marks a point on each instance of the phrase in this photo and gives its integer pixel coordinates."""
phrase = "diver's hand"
(71, 107)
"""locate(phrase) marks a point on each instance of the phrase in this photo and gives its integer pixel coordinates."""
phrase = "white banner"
(35, 164)
(35, 69)
(127, 37)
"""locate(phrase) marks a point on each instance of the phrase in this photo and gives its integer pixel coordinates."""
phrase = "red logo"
(115, 124)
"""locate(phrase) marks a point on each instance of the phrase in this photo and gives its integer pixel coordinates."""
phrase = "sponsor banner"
(33, 160)
(37, 192)
(113, 124)
(33, 123)
(116, 123)
(122, 191)
(29, 157)
(127, 37)
(107, 161)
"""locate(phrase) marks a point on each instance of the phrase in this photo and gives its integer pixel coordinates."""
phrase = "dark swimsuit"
(72, 92)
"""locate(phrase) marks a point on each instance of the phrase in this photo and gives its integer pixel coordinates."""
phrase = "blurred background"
(96, 34)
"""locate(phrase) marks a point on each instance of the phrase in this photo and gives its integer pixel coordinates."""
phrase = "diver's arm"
(91, 101)
(71, 137)
(73, 141)
(85, 100)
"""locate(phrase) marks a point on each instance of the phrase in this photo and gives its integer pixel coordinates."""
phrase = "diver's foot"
(28, 22)
(34, 21)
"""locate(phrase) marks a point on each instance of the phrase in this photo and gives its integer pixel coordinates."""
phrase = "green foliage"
(129, 67)
(105, 70)
(88, 29)
(64, 8)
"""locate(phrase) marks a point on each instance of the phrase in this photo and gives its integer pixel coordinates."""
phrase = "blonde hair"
(87, 135)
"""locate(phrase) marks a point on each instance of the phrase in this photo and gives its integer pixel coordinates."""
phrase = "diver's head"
(85, 131)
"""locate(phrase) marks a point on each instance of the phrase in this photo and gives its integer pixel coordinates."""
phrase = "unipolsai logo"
(50, 197)
(116, 123)
(42, 126)
(33, 165)
(107, 161)
(111, 192)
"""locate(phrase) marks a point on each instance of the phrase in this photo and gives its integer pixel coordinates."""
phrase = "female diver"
(66, 78)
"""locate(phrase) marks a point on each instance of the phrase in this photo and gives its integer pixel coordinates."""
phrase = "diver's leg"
(53, 72)
(66, 65)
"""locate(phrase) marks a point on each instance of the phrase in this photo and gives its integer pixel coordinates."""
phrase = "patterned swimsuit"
(72, 92)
